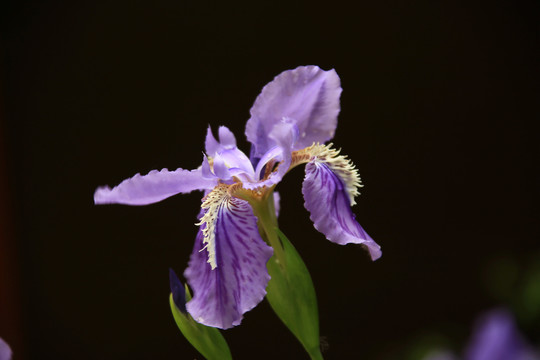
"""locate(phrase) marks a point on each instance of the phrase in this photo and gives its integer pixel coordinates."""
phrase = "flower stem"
(265, 211)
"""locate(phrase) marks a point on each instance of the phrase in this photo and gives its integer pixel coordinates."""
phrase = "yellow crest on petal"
(339, 164)
(212, 203)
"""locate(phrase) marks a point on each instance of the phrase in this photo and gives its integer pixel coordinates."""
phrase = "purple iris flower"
(496, 337)
(5, 350)
(291, 119)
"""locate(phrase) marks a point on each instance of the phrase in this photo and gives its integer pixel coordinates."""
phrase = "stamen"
(339, 164)
(268, 169)
(212, 203)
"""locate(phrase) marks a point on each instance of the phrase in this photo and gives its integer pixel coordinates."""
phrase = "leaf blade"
(207, 340)
(291, 295)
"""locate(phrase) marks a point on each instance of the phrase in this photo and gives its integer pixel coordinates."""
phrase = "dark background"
(439, 109)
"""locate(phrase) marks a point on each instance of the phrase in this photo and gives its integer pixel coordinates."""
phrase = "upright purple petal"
(496, 337)
(226, 138)
(211, 145)
(153, 187)
(327, 200)
(226, 141)
(284, 135)
(238, 282)
(308, 95)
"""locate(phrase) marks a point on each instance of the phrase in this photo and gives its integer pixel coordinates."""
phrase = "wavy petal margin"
(308, 95)
(153, 187)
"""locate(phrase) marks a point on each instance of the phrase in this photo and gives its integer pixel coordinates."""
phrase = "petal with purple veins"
(327, 200)
(307, 94)
(221, 295)
(153, 187)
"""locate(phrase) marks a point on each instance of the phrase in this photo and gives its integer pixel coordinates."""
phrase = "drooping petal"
(307, 94)
(153, 187)
(227, 269)
(327, 200)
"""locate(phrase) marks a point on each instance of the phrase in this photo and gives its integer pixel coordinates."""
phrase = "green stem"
(266, 213)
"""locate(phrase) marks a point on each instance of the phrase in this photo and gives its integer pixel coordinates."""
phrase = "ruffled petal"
(153, 187)
(307, 94)
(327, 200)
(227, 269)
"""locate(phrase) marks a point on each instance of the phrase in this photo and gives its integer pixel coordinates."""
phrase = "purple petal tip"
(178, 291)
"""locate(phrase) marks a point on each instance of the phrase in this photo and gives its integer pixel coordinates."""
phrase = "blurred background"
(439, 107)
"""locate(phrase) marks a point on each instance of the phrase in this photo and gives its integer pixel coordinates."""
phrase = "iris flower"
(291, 120)
(5, 350)
(495, 336)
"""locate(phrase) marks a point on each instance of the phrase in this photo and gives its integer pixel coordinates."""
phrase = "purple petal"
(226, 141)
(284, 135)
(306, 94)
(211, 145)
(238, 283)
(220, 168)
(178, 291)
(440, 355)
(277, 199)
(497, 338)
(226, 138)
(206, 171)
(237, 159)
(328, 202)
(153, 187)
(5, 350)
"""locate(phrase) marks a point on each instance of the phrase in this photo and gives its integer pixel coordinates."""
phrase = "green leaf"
(291, 295)
(207, 340)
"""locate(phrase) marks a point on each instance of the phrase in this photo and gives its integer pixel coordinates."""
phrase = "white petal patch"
(211, 203)
(339, 164)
